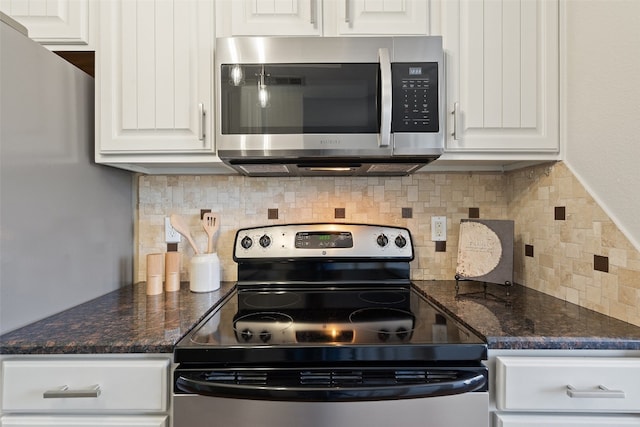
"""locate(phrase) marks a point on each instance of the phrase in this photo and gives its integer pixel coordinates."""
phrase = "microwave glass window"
(299, 98)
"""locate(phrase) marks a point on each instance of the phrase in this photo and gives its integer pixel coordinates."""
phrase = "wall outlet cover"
(438, 228)
(170, 234)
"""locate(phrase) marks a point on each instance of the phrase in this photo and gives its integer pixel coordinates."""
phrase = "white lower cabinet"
(94, 421)
(566, 391)
(87, 391)
(536, 420)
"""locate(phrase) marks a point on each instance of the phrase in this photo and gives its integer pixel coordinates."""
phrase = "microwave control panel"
(415, 97)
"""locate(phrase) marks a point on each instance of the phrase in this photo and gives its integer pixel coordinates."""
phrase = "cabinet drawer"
(122, 385)
(102, 421)
(571, 384)
(531, 420)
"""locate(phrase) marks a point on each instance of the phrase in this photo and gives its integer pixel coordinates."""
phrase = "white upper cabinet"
(502, 75)
(386, 17)
(59, 24)
(282, 17)
(154, 77)
(322, 17)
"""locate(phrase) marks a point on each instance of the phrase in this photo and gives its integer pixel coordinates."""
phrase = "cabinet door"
(568, 384)
(84, 386)
(154, 76)
(502, 75)
(387, 17)
(275, 17)
(60, 22)
(97, 420)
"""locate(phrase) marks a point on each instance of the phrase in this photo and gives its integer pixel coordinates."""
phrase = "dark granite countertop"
(530, 319)
(123, 321)
(129, 321)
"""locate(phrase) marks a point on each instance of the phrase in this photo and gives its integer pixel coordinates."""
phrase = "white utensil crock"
(204, 273)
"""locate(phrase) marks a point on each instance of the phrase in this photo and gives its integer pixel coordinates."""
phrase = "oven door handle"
(464, 383)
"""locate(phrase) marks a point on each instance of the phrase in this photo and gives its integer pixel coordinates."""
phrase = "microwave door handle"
(385, 94)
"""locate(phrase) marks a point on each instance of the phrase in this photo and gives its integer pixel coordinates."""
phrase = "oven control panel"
(323, 240)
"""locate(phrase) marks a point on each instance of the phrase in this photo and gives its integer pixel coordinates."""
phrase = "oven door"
(343, 396)
(462, 410)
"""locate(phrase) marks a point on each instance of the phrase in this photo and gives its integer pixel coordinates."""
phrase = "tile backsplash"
(563, 250)
(573, 242)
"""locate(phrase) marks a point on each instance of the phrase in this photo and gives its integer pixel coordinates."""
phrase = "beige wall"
(601, 109)
(562, 265)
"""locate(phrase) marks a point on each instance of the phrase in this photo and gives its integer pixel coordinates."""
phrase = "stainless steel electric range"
(324, 327)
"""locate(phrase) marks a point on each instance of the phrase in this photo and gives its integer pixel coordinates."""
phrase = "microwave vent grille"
(264, 169)
(392, 168)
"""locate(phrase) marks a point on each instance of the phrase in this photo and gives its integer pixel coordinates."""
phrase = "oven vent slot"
(374, 377)
(238, 377)
(330, 378)
(410, 376)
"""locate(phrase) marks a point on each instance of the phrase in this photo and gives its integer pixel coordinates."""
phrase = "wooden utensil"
(211, 225)
(180, 225)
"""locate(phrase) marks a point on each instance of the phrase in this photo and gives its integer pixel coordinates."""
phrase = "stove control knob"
(265, 241)
(383, 335)
(246, 242)
(401, 242)
(265, 336)
(382, 240)
(246, 334)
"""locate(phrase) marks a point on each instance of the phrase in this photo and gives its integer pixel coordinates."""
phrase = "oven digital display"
(324, 239)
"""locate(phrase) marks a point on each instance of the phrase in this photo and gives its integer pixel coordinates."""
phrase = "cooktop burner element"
(383, 298)
(271, 300)
(262, 326)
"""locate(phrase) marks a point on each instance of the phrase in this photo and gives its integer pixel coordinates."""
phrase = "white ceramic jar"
(204, 273)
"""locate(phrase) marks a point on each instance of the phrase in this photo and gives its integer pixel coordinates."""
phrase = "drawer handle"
(601, 392)
(66, 392)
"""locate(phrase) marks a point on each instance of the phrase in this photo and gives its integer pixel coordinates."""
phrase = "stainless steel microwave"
(329, 105)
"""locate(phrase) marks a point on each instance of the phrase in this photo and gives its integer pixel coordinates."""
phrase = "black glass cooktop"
(343, 323)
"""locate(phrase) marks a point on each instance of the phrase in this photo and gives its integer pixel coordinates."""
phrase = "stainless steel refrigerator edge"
(66, 224)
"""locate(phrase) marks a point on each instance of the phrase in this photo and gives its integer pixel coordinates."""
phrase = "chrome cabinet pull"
(385, 97)
(313, 5)
(455, 113)
(599, 393)
(65, 392)
(347, 11)
(201, 121)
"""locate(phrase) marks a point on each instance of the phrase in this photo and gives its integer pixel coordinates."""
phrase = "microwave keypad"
(415, 97)
(416, 102)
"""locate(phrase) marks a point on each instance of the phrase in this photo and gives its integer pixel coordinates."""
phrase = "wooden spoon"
(211, 225)
(179, 224)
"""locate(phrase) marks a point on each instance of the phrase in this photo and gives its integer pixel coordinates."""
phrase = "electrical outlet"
(170, 234)
(438, 228)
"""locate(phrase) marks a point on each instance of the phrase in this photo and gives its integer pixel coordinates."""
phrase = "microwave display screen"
(299, 98)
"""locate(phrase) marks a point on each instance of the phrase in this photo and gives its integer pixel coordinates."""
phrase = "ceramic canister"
(204, 273)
